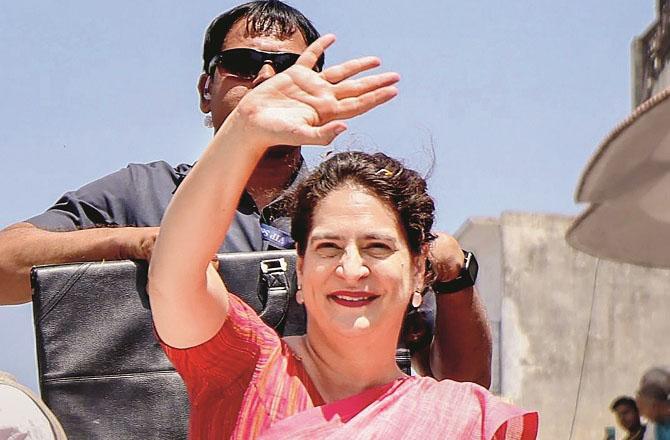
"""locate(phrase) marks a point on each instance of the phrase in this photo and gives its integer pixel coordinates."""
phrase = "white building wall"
(575, 331)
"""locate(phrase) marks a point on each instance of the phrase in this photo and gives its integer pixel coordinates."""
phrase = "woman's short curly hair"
(403, 189)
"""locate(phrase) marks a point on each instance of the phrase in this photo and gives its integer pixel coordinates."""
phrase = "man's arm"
(77, 216)
(23, 245)
(462, 344)
(461, 348)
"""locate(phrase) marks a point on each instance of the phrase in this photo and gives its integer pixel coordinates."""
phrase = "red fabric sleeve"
(229, 356)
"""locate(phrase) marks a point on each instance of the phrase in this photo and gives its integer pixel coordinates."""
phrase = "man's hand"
(137, 243)
(446, 257)
(23, 246)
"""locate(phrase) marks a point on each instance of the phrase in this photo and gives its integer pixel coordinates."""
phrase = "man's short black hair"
(624, 400)
(264, 17)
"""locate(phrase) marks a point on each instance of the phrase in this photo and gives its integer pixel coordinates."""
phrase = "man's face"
(225, 90)
(628, 417)
(647, 406)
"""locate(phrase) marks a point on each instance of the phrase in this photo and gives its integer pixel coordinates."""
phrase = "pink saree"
(412, 407)
(245, 383)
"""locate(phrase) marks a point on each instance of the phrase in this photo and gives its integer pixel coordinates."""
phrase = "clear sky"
(513, 97)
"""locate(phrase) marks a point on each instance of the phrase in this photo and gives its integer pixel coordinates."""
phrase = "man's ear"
(203, 90)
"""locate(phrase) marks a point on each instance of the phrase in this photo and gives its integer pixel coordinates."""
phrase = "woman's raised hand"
(302, 107)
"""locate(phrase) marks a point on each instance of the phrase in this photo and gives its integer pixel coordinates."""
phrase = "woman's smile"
(352, 299)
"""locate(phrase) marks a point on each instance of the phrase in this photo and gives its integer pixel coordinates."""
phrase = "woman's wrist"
(241, 136)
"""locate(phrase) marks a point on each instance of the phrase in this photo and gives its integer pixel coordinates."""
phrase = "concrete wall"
(575, 331)
(663, 81)
(482, 236)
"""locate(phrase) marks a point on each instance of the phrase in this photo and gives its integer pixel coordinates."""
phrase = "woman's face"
(357, 272)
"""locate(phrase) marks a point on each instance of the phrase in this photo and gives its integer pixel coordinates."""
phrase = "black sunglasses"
(246, 63)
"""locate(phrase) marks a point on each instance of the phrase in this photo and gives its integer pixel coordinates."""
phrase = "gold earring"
(299, 297)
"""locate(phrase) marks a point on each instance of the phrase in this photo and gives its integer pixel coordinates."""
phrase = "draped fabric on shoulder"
(245, 383)
(411, 407)
(522, 427)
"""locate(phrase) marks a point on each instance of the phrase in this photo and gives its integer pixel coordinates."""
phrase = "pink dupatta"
(411, 407)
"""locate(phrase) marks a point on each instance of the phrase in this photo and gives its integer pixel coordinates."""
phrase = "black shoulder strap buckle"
(276, 286)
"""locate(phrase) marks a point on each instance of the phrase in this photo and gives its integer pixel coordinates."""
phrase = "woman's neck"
(342, 367)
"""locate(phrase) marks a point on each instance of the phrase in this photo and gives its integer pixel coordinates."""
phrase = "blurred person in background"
(653, 400)
(628, 417)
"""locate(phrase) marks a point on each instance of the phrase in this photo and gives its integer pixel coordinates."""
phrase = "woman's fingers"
(350, 107)
(311, 55)
(333, 95)
(350, 68)
(365, 95)
(322, 135)
(358, 87)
